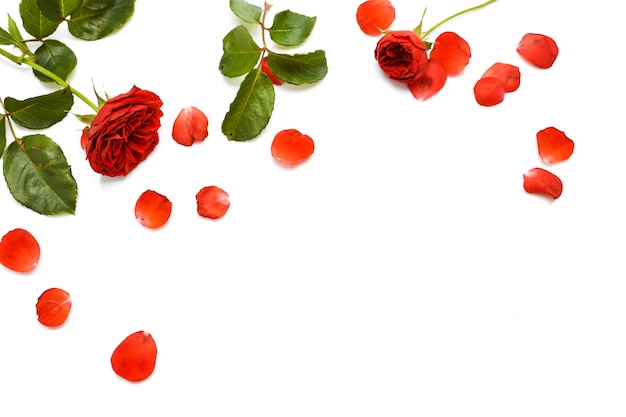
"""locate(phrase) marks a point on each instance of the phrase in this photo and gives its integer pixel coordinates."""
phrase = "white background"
(401, 271)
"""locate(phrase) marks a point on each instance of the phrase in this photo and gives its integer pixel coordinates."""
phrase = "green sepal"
(91, 24)
(6, 38)
(39, 177)
(42, 111)
(34, 22)
(14, 30)
(251, 110)
(246, 11)
(57, 58)
(85, 118)
(290, 28)
(241, 53)
(299, 68)
(3, 134)
(57, 10)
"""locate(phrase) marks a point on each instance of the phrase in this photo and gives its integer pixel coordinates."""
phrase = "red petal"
(540, 181)
(452, 51)
(489, 91)
(430, 83)
(507, 73)
(152, 209)
(292, 147)
(53, 307)
(190, 126)
(539, 50)
(213, 202)
(134, 359)
(83, 138)
(266, 69)
(374, 16)
(553, 145)
(19, 251)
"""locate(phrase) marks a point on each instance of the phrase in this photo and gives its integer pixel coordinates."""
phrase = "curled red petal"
(266, 69)
(452, 51)
(152, 209)
(191, 125)
(213, 202)
(430, 82)
(19, 251)
(539, 50)
(83, 138)
(489, 91)
(53, 307)
(540, 181)
(553, 145)
(374, 16)
(507, 73)
(292, 147)
(135, 358)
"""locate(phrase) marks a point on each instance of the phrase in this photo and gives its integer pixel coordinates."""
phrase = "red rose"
(402, 56)
(124, 132)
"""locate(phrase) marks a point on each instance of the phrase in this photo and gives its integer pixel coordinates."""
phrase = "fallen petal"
(489, 91)
(134, 359)
(539, 50)
(213, 202)
(452, 51)
(19, 251)
(540, 181)
(191, 125)
(292, 147)
(53, 307)
(507, 73)
(266, 69)
(553, 145)
(152, 209)
(430, 83)
(374, 16)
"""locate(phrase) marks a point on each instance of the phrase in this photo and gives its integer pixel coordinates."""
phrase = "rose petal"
(53, 307)
(134, 359)
(190, 126)
(540, 181)
(292, 147)
(553, 145)
(489, 91)
(452, 51)
(19, 251)
(374, 16)
(213, 202)
(152, 209)
(430, 83)
(507, 73)
(539, 50)
(266, 69)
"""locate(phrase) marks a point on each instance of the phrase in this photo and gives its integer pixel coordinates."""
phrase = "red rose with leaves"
(124, 132)
(402, 55)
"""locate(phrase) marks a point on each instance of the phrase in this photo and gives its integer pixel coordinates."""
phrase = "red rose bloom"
(402, 56)
(124, 132)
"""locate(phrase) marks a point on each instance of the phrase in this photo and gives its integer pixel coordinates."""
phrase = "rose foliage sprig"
(34, 166)
(252, 108)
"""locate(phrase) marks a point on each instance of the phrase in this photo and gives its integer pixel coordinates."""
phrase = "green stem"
(447, 19)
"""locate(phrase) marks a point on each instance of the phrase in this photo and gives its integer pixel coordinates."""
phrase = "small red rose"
(213, 202)
(430, 82)
(452, 51)
(292, 147)
(191, 125)
(134, 359)
(266, 69)
(53, 307)
(19, 251)
(507, 73)
(489, 91)
(402, 56)
(374, 16)
(124, 132)
(553, 145)
(152, 209)
(540, 181)
(539, 50)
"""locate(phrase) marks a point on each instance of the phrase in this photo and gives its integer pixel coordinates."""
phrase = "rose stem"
(447, 19)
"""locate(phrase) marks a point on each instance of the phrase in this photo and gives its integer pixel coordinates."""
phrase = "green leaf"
(291, 29)
(300, 68)
(3, 134)
(55, 57)
(97, 4)
(246, 11)
(251, 110)
(92, 24)
(241, 53)
(57, 10)
(14, 30)
(39, 177)
(34, 22)
(42, 111)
